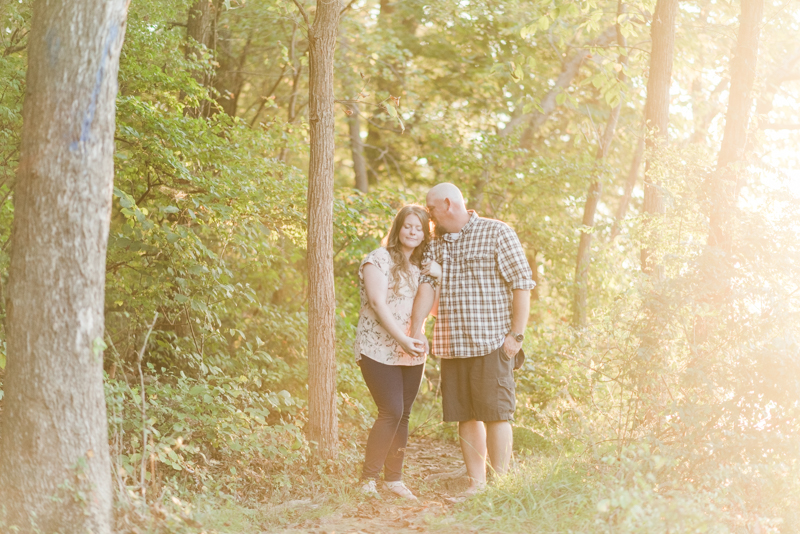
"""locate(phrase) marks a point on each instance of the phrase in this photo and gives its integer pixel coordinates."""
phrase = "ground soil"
(429, 469)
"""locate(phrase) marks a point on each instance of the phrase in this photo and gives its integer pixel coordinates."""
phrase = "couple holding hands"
(474, 277)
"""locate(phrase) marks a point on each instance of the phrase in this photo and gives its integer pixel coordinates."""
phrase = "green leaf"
(527, 31)
(544, 22)
(98, 346)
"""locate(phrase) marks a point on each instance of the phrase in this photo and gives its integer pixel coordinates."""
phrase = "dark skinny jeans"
(394, 388)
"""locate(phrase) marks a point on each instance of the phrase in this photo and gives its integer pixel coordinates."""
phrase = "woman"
(391, 362)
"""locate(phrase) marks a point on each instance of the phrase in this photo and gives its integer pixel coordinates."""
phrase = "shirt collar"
(465, 229)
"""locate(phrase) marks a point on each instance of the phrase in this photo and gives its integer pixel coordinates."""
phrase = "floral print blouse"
(372, 340)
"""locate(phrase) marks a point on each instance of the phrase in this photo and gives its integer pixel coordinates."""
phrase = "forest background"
(661, 391)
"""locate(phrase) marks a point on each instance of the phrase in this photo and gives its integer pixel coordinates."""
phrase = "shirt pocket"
(479, 266)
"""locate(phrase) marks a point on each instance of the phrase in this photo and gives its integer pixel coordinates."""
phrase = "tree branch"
(345, 8)
(303, 12)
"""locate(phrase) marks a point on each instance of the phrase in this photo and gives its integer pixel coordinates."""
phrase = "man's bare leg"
(499, 440)
(472, 435)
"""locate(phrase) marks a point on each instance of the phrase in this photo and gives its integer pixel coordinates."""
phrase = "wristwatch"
(517, 337)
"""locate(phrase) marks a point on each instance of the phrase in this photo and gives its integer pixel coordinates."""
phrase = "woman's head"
(411, 228)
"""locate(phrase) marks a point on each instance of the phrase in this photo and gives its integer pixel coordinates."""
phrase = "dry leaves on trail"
(432, 470)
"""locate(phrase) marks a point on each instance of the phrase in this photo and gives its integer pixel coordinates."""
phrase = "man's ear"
(447, 204)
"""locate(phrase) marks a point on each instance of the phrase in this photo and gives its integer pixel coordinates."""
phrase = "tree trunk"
(297, 72)
(580, 306)
(656, 110)
(726, 182)
(200, 30)
(322, 419)
(630, 183)
(229, 78)
(357, 149)
(55, 470)
(569, 70)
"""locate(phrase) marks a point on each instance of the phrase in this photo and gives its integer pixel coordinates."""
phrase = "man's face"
(435, 209)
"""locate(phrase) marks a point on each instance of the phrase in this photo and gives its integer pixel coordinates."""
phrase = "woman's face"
(411, 232)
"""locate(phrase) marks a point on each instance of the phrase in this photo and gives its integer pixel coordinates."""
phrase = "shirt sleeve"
(380, 258)
(430, 254)
(511, 260)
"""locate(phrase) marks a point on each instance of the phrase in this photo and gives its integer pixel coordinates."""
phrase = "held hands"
(413, 347)
(511, 347)
(431, 268)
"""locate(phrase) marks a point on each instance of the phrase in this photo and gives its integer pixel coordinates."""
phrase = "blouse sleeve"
(379, 258)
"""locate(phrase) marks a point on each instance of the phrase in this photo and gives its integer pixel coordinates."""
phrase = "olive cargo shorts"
(480, 388)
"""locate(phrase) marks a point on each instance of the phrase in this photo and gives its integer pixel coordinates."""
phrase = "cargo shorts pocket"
(506, 399)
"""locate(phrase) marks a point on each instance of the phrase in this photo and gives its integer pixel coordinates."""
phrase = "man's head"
(447, 208)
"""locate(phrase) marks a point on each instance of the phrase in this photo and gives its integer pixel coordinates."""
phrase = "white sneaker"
(370, 489)
(398, 488)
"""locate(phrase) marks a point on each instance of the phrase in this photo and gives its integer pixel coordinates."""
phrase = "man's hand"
(413, 347)
(431, 268)
(511, 347)
(420, 337)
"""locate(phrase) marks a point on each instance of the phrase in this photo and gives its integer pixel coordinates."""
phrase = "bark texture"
(656, 109)
(322, 418)
(55, 470)
(726, 182)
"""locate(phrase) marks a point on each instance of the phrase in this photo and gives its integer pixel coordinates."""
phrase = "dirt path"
(426, 461)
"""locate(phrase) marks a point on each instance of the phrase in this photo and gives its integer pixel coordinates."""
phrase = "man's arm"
(520, 309)
(423, 303)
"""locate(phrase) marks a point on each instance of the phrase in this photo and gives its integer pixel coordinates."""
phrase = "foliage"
(675, 409)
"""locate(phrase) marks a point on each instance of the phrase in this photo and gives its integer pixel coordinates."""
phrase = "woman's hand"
(411, 346)
(431, 268)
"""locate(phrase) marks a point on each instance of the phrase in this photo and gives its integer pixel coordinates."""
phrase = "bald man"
(484, 301)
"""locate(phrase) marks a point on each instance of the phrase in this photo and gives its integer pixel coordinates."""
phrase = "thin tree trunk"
(726, 182)
(200, 30)
(656, 112)
(297, 71)
(630, 183)
(322, 419)
(584, 258)
(357, 149)
(229, 77)
(534, 121)
(534, 264)
(54, 431)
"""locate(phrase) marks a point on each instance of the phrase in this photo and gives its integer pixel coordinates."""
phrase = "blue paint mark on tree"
(88, 118)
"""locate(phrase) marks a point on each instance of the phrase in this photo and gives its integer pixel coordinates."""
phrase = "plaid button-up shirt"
(481, 266)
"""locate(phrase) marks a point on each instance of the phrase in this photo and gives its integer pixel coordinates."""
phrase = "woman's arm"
(377, 289)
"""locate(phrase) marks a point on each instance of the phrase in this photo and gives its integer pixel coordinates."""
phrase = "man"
(484, 301)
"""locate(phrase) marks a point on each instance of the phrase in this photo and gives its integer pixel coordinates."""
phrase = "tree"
(725, 183)
(322, 418)
(584, 258)
(55, 471)
(201, 33)
(656, 110)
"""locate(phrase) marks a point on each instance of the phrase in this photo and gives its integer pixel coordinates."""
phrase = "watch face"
(519, 337)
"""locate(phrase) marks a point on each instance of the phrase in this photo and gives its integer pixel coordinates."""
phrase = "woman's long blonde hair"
(401, 269)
